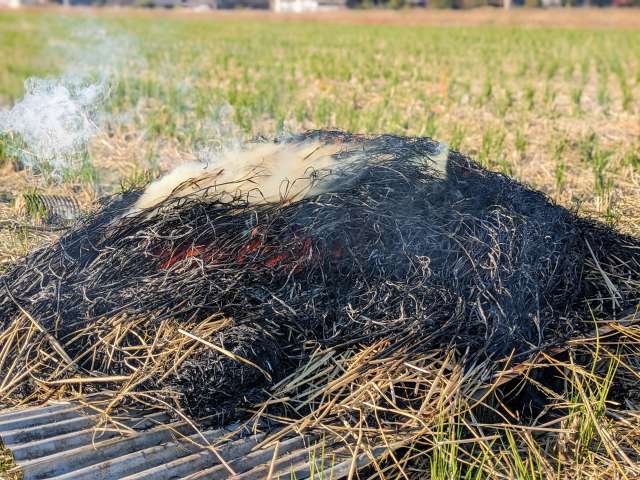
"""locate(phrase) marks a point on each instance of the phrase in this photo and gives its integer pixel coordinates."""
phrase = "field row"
(557, 108)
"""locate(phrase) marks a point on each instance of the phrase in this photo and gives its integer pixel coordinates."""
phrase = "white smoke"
(220, 133)
(262, 172)
(55, 119)
(273, 173)
(58, 116)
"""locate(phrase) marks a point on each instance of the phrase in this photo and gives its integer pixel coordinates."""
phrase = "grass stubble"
(556, 108)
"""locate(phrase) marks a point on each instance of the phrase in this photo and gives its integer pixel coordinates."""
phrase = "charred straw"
(472, 260)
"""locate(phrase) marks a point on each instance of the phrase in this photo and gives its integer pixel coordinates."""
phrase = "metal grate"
(47, 210)
(67, 441)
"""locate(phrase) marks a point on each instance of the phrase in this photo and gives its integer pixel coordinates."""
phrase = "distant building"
(294, 5)
(306, 5)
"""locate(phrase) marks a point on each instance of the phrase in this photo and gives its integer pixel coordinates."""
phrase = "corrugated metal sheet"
(67, 441)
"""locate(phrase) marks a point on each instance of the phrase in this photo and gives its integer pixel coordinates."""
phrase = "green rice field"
(557, 108)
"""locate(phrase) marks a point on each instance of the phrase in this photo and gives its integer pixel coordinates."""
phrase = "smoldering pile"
(214, 293)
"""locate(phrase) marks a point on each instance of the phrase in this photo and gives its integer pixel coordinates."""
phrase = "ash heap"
(216, 281)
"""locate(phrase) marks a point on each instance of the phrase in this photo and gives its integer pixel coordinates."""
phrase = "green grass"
(6, 464)
(361, 78)
(488, 90)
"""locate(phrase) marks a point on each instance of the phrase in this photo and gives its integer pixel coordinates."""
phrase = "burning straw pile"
(377, 301)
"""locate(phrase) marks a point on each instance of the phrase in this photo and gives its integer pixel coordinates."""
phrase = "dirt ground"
(618, 18)
(569, 17)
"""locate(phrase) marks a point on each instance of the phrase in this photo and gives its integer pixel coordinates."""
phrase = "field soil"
(561, 17)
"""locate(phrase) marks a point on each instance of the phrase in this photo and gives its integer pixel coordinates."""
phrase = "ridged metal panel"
(67, 441)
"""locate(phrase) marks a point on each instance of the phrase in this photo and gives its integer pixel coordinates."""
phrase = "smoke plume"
(274, 172)
(58, 116)
(55, 119)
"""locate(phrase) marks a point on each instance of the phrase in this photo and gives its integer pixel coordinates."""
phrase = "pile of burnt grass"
(210, 300)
